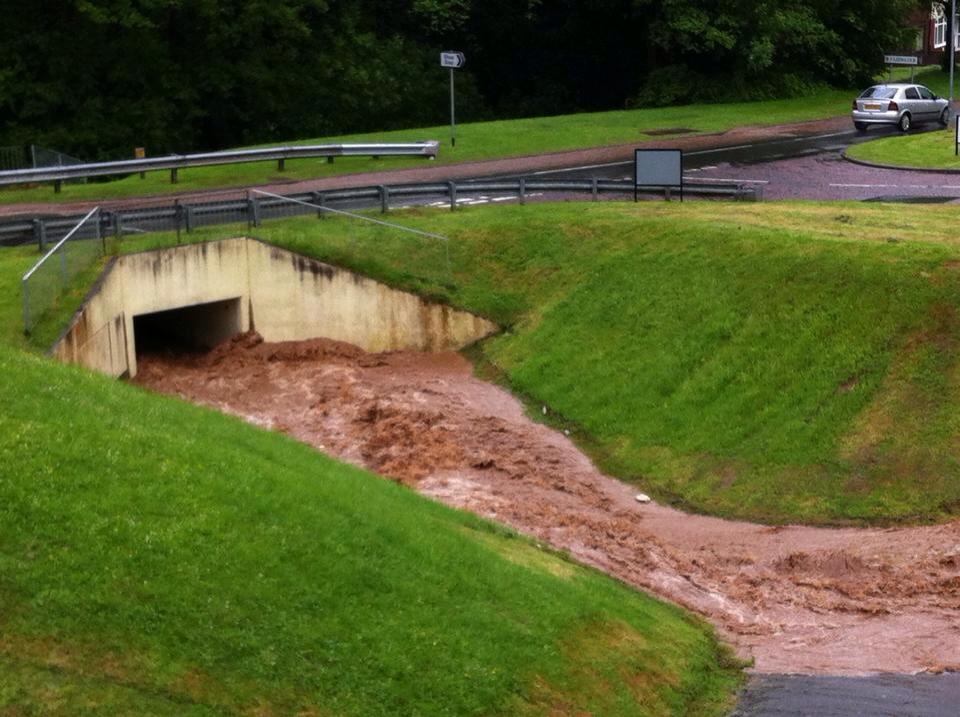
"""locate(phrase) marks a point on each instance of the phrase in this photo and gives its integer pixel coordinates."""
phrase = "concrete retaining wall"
(284, 296)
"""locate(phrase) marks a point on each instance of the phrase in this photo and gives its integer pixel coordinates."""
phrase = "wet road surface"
(894, 695)
(806, 167)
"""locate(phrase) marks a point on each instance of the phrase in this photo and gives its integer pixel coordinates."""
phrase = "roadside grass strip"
(160, 558)
(928, 150)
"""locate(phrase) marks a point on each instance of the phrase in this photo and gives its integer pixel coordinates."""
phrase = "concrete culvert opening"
(195, 328)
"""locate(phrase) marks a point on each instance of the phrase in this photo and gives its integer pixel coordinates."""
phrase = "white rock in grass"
(643, 498)
(544, 410)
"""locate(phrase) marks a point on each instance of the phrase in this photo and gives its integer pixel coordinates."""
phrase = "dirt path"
(798, 600)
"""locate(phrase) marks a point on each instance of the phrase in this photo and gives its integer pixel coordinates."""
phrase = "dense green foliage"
(96, 78)
(159, 558)
(791, 362)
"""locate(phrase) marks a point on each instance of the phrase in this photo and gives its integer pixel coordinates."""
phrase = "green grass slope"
(792, 362)
(158, 558)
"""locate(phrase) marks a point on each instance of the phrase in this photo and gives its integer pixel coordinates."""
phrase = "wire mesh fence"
(353, 232)
(47, 281)
(16, 157)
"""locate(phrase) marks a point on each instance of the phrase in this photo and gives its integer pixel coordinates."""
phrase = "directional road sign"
(453, 60)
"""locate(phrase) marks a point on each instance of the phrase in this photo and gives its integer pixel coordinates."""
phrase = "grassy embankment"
(475, 141)
(792, 362)
(159, 558)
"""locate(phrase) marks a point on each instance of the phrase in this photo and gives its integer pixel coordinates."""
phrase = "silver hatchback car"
(900, 103)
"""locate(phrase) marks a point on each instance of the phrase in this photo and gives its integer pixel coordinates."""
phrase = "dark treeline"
(96, 78)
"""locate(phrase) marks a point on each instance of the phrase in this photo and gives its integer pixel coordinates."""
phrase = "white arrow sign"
(453, 60)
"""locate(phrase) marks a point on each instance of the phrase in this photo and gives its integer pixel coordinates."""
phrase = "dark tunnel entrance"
(194, 328)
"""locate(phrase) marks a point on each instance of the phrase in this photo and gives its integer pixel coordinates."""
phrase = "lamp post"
(953, 44)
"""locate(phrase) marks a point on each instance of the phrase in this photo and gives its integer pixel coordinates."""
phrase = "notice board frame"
(668, 174)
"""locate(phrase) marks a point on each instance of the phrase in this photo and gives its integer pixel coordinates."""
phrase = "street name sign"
(900, 60)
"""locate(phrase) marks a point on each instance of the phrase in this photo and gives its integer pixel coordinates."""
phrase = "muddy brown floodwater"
(796, 599)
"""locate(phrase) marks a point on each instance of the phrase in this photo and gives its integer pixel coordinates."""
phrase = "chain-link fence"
(17, 157)
(428, 249)
(43, 157)
(48, 279)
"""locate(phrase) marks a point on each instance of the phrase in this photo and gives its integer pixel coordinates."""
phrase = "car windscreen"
(878, 93)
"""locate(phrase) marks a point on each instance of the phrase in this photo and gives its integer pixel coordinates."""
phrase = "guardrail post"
(57, 186)
(173, 176)
(117, 225)
(255, 211)
(281, 164)
(319, 201)
(330, 159)
(177, 217)
(101, 235)
(453, 195)
(40, 233)
(595, 188)
(26, 305)
(188, 217)
(523, 190)
(384, 199)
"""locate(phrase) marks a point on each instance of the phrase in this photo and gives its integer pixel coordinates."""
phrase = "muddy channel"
(795, 599)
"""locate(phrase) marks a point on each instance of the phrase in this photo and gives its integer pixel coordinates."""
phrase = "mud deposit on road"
(800, 600)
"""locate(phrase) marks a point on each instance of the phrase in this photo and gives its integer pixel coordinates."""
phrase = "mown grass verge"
(777, 362)
(475, 141)
(159, 558)
(927, 150)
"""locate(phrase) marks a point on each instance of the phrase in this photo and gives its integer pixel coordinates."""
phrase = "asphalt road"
(809, 167)
(877, 696)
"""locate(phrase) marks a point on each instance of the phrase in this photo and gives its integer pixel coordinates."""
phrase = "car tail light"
(893, 107)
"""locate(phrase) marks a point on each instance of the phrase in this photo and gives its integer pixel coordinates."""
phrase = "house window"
(939, 27)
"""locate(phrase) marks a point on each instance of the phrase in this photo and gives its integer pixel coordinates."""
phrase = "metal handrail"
(59, 244)
(204, 159)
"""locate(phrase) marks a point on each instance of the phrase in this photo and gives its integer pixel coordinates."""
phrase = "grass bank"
(159, 558)
(929, 150)
(475, 141)
(778, 362)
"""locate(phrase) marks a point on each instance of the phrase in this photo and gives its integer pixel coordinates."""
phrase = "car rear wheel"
(904, 123)
(861, 126)
(945, 117)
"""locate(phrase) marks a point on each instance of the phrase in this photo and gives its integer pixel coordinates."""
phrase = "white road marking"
(730, 179)
(586, 166)
(897, 186)
(779, 141)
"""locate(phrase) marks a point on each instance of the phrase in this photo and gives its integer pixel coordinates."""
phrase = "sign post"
(453, 60)
(911, 60)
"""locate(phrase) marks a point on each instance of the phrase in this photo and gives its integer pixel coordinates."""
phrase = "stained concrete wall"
(284, 296)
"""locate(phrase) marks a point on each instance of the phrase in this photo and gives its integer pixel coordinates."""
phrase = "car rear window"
(879, 93)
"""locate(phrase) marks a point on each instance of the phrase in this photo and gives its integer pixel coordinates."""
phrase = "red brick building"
(931, 40)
